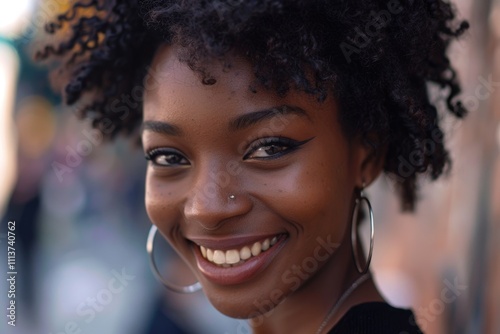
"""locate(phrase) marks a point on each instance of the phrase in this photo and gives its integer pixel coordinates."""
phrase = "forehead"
(177, 92)
(172, 75)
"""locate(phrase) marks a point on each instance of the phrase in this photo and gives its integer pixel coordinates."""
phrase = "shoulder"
(377, 317)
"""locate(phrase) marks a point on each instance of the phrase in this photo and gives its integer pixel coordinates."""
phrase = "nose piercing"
(232, 197)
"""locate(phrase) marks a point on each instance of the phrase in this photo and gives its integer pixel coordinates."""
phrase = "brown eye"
(267, 151)
(273, 148)
(166, 158)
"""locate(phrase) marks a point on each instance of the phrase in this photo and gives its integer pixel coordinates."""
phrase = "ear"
(370, 158)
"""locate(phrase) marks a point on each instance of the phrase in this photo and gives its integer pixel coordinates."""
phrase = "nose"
(215, 198)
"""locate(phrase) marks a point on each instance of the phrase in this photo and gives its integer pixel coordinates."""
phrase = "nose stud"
(231, 197)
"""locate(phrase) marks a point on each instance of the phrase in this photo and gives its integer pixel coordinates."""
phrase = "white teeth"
(256, 248)
(245, 253)
(210, 255)
(219, 257)
(231, 257)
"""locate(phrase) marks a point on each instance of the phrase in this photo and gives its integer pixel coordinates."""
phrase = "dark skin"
(302, 192)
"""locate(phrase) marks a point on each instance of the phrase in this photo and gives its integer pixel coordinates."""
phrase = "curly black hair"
(379, 58)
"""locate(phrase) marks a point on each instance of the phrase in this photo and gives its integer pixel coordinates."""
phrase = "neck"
(305, 309)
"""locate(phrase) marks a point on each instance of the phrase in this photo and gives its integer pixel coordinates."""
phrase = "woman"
(263, 122)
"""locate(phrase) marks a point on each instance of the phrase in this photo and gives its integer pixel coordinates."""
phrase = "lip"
(240, 273)
(225, 244)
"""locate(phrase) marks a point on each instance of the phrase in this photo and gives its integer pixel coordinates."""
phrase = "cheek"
(312, 194)
(160, 202)
(162, 206)
(320, 205)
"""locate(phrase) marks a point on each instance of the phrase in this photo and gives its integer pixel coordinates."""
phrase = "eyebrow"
(162, 128)
(239, 123)
(252, 118)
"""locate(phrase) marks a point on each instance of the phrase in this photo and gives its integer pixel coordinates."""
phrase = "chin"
(236, 306)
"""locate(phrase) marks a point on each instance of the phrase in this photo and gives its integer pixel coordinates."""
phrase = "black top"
(376, 318)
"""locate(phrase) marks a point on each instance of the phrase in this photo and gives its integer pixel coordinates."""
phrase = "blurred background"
(81, 227)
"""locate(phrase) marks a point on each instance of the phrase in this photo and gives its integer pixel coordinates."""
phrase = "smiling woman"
(262, 122)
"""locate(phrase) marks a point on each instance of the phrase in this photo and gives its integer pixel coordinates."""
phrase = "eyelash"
(151, 155)
(290, 145)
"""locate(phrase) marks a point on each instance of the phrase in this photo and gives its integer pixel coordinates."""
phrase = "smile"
(235, 257)
(236, 260)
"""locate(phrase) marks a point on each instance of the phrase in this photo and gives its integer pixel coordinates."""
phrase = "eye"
(166, 158)
(272, 148)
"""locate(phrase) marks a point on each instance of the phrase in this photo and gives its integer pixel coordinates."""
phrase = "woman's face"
(286, 161)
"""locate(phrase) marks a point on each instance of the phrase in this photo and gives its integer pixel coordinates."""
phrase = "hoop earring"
(354, 237)
(176, 288)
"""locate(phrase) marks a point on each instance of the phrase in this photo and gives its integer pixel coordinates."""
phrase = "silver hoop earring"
(354, 237)
(176, 288)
